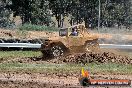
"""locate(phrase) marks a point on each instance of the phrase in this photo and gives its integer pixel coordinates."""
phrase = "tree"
(31, 11)
(5, 14)
(59, 9)
(40, 12)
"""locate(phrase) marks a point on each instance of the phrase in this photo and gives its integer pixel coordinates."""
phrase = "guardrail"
(116, 46)
(20, 45)
(30, 45)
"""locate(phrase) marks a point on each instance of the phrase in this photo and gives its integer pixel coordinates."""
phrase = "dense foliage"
(39, 12)
(33, 27)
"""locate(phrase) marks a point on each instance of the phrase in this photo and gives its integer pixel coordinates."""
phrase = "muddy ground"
(37, 80)
(77, 58)
(58, 80)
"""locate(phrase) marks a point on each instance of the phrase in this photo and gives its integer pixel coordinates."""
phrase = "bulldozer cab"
(76, 30)
(74, 34)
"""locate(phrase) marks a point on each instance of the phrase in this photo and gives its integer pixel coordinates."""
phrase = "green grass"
(66, 68)
(15, 54)
(112, 68)
(109, 68)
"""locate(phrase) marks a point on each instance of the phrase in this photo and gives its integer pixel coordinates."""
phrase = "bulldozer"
(72, 39)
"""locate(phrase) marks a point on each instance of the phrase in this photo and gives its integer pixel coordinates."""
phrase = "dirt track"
(55, 80)
(50, 81)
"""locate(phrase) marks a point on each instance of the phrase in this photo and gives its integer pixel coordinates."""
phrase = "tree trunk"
(62, 20)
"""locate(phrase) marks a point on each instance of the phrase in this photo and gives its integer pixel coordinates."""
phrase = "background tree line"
(39, 12)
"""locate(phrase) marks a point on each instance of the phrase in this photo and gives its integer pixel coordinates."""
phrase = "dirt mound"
(77, 58)
(104, 57)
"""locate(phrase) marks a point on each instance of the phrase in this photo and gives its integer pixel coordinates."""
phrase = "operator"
(74, 32)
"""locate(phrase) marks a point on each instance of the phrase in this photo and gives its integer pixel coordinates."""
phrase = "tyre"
(56, 51)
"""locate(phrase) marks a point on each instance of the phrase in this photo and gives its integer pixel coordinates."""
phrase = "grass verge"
(45, 67)
(66, 68)
(21, 54)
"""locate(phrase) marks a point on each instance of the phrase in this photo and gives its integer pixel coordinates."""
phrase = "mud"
(19, 84)
(89, 57)
(37, 80)
(8, 34)
(78, 58)
(60, 79)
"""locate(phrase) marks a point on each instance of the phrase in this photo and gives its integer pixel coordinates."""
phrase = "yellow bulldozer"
(72, 39)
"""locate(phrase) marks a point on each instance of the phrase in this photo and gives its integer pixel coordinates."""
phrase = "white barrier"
(115, 46)
(30, 45)
(20, 45)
